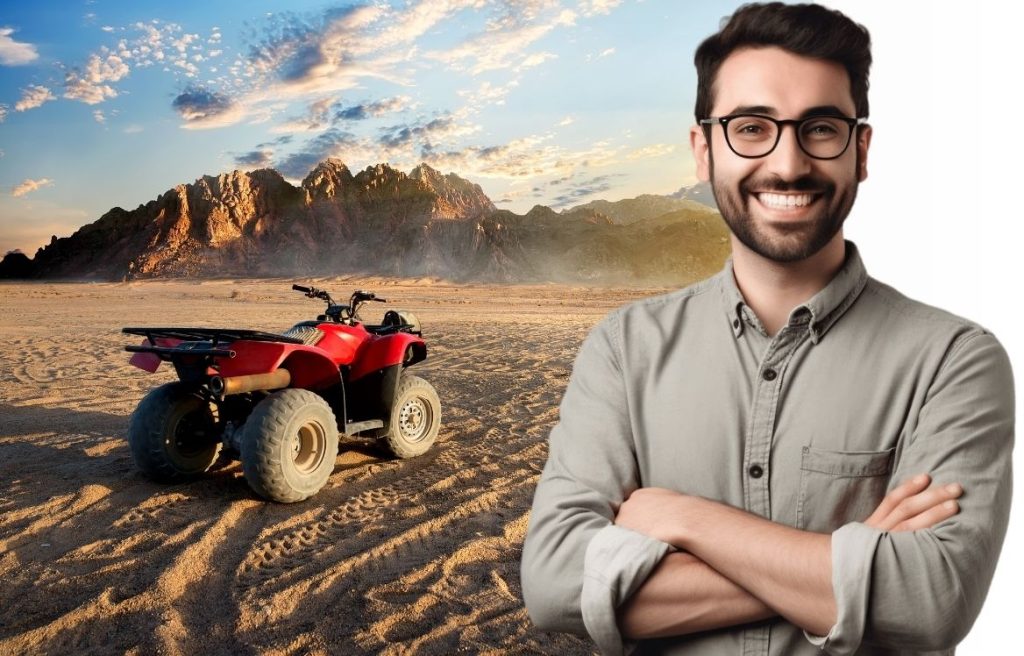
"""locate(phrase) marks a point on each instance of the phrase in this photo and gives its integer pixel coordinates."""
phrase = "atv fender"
(398, 349)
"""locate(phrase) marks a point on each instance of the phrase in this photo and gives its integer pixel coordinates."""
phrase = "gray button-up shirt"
(860, 390)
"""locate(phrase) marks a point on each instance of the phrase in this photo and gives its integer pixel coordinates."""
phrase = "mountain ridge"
(379, 220)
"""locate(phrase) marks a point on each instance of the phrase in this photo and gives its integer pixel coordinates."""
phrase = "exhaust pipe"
(240, 384)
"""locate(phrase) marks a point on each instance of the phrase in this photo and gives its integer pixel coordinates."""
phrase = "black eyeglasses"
(754, 135)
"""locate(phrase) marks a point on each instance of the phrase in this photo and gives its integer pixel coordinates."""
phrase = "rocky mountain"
(380, 221)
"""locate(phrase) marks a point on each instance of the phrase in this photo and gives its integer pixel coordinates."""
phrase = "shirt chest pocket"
(839, 487)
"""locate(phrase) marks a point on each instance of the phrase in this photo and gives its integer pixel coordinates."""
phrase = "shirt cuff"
(853, 552)
(617, 562)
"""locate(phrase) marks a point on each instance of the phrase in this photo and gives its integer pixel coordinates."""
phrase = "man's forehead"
(780, 83)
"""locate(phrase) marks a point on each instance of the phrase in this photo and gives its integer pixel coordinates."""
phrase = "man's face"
(764, 200)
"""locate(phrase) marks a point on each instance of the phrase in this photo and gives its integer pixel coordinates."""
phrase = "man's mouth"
(785, 201)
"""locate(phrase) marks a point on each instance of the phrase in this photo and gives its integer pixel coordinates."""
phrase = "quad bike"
(280, 402)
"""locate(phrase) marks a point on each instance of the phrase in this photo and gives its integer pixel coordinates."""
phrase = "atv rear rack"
(214, 335)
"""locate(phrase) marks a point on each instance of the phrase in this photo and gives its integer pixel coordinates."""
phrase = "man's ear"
(863, 141)
(701, 153)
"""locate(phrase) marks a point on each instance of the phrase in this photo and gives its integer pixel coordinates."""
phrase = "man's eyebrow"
(753, 109)
(823, 110)
(820, 110)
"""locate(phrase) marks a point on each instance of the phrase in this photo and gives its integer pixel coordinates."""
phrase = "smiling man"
(789, 457)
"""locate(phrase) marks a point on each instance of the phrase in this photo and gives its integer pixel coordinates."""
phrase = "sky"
(553, 102)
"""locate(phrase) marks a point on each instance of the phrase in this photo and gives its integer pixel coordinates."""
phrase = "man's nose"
(788, 160)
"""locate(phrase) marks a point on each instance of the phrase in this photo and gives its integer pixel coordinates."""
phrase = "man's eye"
(751, 131)
(821, 130)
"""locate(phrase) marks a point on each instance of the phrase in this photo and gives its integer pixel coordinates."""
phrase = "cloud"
(202, 108)
(255, 159)
(28, 186)
(89, 86)
(522, 158)
(654, 150)
(3, 112)
(596, 185)
(424, 134)
(134, 128)
(15, 53)
(33, 96)
(374, 109)
(488, 94)
(503, 45)
(568, 120)
(317, 116)
(332, 143)
(606, 52)
(594, 7)
(98, 116)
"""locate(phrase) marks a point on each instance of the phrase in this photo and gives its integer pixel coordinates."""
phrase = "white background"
(939, 216)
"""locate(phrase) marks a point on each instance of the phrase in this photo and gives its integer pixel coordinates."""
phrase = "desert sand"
(413, 556)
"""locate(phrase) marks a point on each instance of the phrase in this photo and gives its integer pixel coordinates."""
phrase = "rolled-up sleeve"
(923, 589)
(577, 566)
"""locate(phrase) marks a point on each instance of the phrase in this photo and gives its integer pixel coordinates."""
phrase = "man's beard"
(784, 242)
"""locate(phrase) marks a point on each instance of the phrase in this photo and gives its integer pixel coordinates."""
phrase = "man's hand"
(912, 505)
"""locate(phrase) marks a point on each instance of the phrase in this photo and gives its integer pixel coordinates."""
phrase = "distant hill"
(381, 221)
(699, 193)
(642, 207)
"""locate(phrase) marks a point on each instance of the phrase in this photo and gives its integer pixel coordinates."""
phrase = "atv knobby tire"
(415, 418)
(289, 445)
(173, 434)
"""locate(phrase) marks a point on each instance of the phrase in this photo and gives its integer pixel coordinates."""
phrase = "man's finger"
(930, 517)
(919, 503)
(906, 489)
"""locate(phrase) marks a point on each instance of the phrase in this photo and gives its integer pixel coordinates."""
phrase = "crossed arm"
(735, 568)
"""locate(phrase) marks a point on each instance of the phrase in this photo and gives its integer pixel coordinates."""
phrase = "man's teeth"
(784, 201)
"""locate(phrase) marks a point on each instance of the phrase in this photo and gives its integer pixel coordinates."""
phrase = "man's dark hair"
(805, 30)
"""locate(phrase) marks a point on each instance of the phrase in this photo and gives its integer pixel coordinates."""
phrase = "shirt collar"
(819, 312)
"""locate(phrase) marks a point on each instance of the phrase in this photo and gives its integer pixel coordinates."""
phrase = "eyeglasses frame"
(780, 124)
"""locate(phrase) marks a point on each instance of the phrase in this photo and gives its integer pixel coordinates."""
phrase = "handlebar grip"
(300, 288)
(382, 300)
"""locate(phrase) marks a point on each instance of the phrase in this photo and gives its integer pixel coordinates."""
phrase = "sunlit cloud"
(594, 7)
(15, 53)
(488, 94)
(33, 96)
(98, 116)
(89, 86)
(503, 46)
(28, 186)
(654, 150)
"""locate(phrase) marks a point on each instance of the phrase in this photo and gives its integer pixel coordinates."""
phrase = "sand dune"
(414, 556)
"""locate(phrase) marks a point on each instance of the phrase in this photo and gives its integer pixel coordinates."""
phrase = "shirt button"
(735, 323)
(769, 374)
(755, 471)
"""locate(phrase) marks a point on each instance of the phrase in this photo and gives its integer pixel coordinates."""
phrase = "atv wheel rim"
(309, 444)
(192, 434)
(414, 419)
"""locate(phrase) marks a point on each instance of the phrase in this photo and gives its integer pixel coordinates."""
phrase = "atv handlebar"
(344, 313)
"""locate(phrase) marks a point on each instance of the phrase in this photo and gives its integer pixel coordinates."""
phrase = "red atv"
(278, 403)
